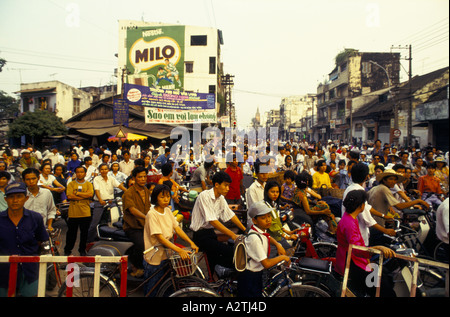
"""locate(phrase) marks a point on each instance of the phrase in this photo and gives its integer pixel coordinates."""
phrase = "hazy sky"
(274, 48)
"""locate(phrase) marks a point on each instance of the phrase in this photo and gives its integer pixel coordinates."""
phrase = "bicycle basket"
(183, 267)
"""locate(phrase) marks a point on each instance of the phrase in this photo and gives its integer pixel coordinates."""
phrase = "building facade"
(54, 96)
(293, 110)
(355, 74)
(170, 57)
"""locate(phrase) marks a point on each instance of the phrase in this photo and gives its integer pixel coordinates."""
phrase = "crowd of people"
(375, 183)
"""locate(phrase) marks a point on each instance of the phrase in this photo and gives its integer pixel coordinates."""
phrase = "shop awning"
(105, 126)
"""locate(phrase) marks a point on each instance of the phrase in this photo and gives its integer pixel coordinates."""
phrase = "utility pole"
(409, 129)
(227, 82)
(410, 135)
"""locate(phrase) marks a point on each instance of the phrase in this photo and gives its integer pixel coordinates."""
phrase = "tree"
(37, 125)
(9, 106)
(2, 63)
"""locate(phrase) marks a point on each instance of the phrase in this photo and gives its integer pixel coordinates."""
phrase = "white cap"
(259, 208)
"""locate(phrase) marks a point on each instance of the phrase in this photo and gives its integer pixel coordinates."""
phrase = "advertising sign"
(172, 106)
(120, 112)
(155, 56)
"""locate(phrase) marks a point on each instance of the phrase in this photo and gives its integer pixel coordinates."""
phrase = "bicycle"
(304, 246)
(178, 274)
(278, 284)
(51, 247)
(441, 253)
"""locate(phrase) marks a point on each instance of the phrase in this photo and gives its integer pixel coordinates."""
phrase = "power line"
(56, 56)
(426, 36)
(62, 67)
(432, 44)
(410, 37)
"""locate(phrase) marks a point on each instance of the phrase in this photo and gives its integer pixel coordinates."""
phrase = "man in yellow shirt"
(376, 160)
(79, 193)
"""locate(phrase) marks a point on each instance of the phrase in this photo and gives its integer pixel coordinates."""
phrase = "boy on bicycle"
(258, 244)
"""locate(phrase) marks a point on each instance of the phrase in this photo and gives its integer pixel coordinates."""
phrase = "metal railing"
(43, 261)
(415, 273)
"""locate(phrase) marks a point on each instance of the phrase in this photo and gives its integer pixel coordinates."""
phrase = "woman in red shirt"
(348, 233)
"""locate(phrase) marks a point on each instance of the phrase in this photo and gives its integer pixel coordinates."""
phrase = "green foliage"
(37, 124)
(9, 106)
(343, 55)
(2, 63)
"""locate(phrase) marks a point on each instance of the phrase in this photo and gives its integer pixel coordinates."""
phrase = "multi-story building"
(147, 50)
(292, 111)
(102, 92)
(54, 96)
(355, 74)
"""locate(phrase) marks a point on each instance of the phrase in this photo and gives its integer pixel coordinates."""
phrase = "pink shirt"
(348, 233)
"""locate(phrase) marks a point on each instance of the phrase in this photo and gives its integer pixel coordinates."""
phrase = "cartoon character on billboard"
(162, 75)
(172, 71)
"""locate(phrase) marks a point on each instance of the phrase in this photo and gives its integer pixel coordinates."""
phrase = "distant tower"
(257, 117)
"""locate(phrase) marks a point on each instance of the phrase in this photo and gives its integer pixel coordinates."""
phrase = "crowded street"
(307, 179)
(149, 150)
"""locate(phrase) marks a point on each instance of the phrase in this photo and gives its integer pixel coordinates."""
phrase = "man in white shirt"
(162, 148)
(135, 151)
(208, 215)
(281, 156)
(360, 171)
(442, 222)
(39, 199)
(127, 165)
(55, 157)
(80, 151)
(91, 152)
(255, 192)
(104, 191)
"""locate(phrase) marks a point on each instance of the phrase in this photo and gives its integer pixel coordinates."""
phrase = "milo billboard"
(155, 56)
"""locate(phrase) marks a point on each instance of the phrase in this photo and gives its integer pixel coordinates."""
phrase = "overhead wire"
(411, 37)
(62, 67)
(54, 56)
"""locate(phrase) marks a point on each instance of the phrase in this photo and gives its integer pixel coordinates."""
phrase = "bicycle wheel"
(168, 288)
(441, 252)
(300, 290)
(325, 249)
(53, 276)
(195, 292)
(85, 287)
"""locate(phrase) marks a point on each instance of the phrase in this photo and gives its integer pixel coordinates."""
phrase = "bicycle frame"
(283, 276)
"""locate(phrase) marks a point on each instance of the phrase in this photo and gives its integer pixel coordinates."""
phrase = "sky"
(273, 48)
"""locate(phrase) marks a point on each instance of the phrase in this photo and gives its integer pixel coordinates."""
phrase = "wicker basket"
(183, 267)
(278, 177)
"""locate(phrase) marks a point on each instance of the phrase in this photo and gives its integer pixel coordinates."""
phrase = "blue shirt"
(72, 165)
(162, 159)
(21, 240)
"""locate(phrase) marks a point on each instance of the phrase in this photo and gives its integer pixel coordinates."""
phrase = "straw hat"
(390, 172)
(440, 159)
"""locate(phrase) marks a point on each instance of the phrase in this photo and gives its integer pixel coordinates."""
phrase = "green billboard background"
(148, 49)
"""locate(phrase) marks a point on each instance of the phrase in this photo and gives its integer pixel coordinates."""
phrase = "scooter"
(419, 226)
(430, 281)
(112, 240)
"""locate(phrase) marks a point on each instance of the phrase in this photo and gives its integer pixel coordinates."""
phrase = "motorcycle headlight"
(45, 247)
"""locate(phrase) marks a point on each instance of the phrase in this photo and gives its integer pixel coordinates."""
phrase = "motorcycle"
(112, 240)
(430, 280)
